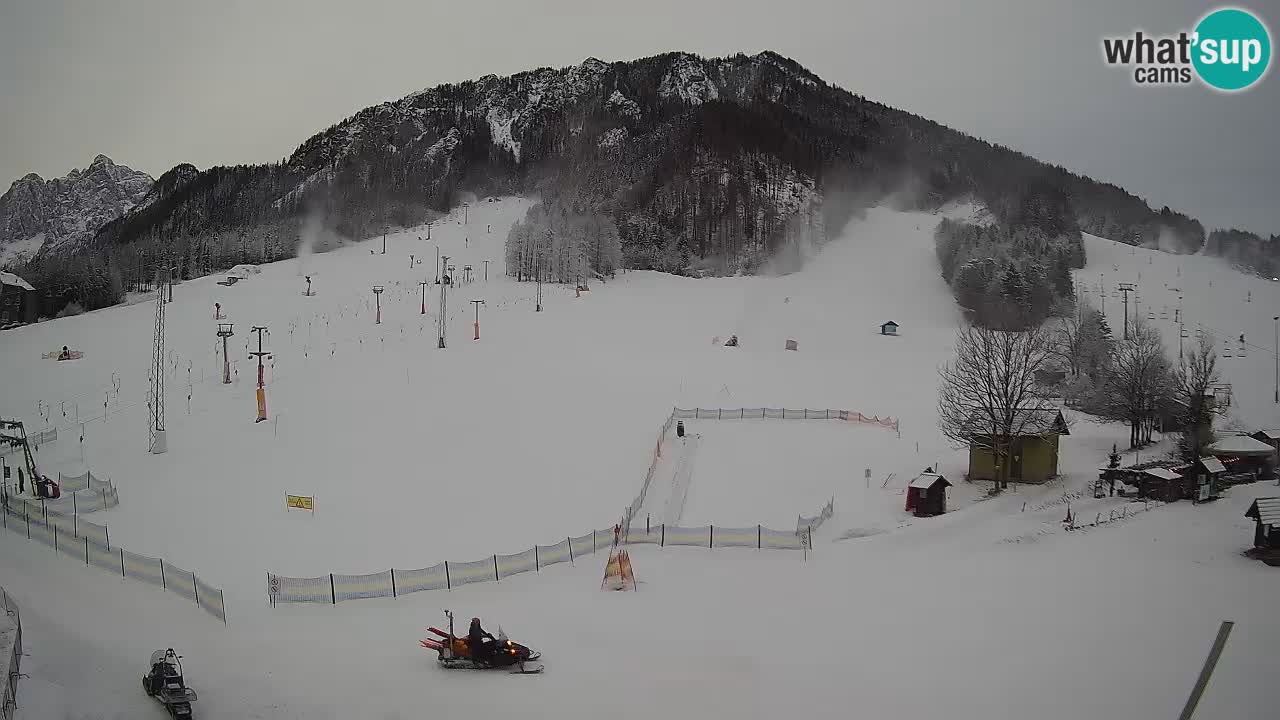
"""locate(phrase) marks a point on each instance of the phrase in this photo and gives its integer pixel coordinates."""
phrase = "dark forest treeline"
(1247, 251)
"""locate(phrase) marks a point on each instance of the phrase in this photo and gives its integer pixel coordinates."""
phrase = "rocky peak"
(44, 216)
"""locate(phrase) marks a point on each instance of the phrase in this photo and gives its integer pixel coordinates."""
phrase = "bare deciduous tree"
(989, 395)
(1139, 386)
(1194, 379)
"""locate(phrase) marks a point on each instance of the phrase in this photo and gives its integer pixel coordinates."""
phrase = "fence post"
(27, 517)
(448, 584)
(122, 569)
(569, 541)
(86, 551)
(74, 511)
(719, 413)
(55, 536)
(195, 587)
(662, 542)
(757, 536)
(164, 584)
(495, 568)
(107, 533)
(537, 564)
(393, 582)
(333, 591)
(593, 540)
(223, 602)
(646, 523)
(711, 536)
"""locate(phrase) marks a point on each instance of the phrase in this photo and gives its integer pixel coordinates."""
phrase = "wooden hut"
(1160, 483)
(1033, 452)
(927, 494)
(1265, 512)
(1206, 476)
(889, 328)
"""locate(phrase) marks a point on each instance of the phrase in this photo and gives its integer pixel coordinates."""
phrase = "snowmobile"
(165, 683)
(453, 652)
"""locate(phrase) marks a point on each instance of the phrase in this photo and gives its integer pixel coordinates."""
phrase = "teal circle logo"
(1232, 49)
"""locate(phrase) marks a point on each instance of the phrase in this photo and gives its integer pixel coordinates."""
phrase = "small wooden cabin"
(1265, 512)
(927, 494)
(889, 328)
(1206, 478)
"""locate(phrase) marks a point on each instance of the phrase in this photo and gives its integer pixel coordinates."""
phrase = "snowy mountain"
(169, 183)
(49, 216)
(705, 164)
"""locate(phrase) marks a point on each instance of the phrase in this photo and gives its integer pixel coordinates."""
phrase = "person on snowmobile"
(476, 642)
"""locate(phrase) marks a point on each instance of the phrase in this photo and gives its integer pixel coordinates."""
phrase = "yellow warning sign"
(302, 502)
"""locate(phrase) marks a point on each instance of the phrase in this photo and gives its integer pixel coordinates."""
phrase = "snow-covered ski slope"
(544, 428)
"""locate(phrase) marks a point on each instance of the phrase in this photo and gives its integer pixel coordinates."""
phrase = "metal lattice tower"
(156, 441)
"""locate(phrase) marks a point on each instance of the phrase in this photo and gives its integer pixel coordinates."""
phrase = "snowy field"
(545, 427)
(748, 472)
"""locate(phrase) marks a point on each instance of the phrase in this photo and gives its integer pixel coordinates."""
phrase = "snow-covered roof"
(1240, 445)
(1162, 473)
(1270, 434)
(1265, 510)
(7, 278)
(1213, 464)
(926, 480)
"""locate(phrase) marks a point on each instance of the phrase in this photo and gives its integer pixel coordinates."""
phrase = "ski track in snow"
(681, 479)
(545, 427)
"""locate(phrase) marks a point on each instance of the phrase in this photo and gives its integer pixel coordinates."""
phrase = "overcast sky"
(153, 84)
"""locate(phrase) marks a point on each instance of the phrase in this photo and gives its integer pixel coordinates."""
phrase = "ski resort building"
(1033, 452)
(18, 304)
(1247, 459)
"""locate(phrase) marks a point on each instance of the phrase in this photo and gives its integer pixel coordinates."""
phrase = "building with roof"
(1270, 437)
(927, 494)
(1207, 475)
(18, 301)
(1247, 459)
(1033, 449)
(889, 328)
(1265, 511)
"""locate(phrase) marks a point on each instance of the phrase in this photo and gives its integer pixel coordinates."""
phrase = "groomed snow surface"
(544, 428)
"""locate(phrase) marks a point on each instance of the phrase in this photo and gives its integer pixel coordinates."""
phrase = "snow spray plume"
(314, 237)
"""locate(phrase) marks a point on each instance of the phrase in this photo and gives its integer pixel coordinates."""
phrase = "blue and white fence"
(335, 588)
(90, 543)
